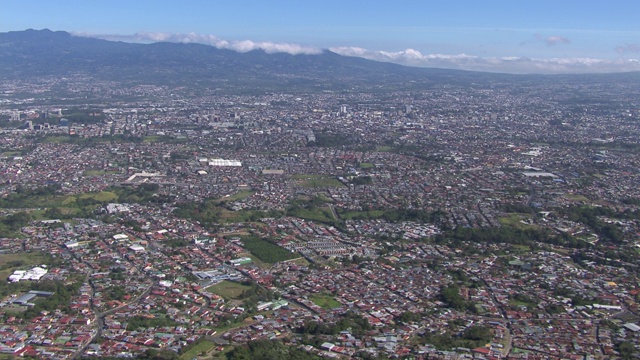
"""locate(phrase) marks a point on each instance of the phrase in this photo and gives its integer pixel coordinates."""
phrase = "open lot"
(202, 347)
(228, 289)
(325, 301)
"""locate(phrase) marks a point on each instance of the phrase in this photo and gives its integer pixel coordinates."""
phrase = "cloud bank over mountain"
(239, 46)
(412, 57)
(514, 64)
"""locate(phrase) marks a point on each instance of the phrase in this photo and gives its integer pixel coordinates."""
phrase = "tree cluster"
(269, 350)
(589, 216)
(350, 321)
(469, 338)
(60, 299)
(450, 295)
(137, 322)
(13, 223)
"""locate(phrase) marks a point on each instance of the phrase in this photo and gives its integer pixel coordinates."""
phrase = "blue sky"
(505, 36)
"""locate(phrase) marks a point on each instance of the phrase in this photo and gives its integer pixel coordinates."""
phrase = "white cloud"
(510, 64)
(239, 46)
(555, 40)
(550, 40)
(412, 57)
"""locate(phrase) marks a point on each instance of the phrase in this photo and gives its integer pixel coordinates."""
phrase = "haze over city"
(495, 36)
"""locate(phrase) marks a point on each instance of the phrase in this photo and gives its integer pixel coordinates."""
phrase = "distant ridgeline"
(44, 53)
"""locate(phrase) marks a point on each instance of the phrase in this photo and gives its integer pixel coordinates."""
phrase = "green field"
(238, 196)
(513, 220)
(103, 196)
(320, 214)
(51, 199)
(307, 176)
(319, 182)
(576, 197)
(266, 250)
(324, 199)
(361, 215)
(325, 301)
(384, 148)
(204, 346)
(516, 350)
(228, 216)
(153, 139)
(57, 139)
(521, 248)
(366, 165)
(228, 289)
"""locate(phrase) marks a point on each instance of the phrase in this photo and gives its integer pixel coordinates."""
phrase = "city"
(454, 222)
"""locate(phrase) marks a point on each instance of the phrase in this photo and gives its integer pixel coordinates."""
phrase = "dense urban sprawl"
(482, 222)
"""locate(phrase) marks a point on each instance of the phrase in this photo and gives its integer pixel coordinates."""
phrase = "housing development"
(454, 222)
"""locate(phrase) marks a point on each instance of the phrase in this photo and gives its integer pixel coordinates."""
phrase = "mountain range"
(45, 53)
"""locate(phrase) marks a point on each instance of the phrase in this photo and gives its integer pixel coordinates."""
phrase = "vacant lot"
(204, 346)
(515, 220)
(576, 197)
(228, 289)
(325, 301)
(238, 196)
(99, 172)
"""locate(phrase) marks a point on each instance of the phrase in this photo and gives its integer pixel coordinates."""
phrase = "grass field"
(575, 197)
(366, 165)
(521, 248)
(152, 139)
(11, 262)
(222, 355)
(320, 182)
(204, 346)
(520, 303)
(361, 215)
(228, 216)
(320, 214)
(57, 139)
(228, 289)
(514, 219)
(62, 201)
(238, 196)
(103, 196)
(267, 251)
(325, 301)
(384, 148)
(307, 176)
(325, 198)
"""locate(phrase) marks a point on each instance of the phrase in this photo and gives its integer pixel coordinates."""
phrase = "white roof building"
(223, 162)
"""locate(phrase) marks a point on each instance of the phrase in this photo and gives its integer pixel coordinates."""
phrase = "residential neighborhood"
(454, 223)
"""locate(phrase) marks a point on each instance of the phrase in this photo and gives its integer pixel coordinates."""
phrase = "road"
(99, 322)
